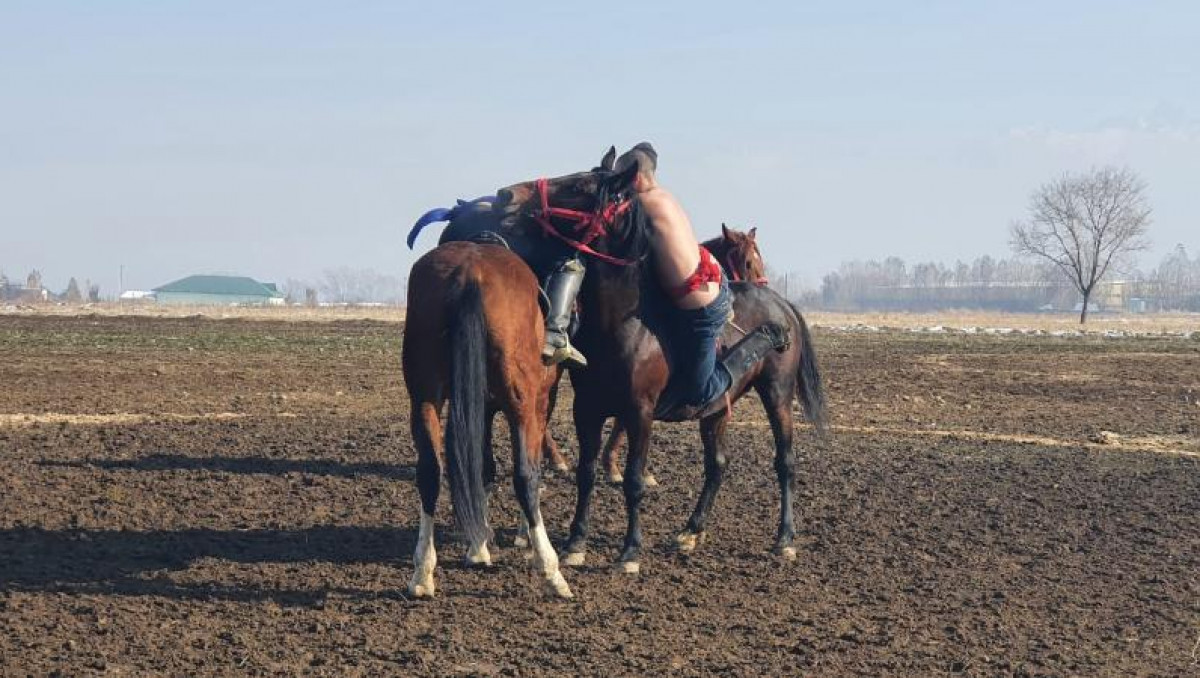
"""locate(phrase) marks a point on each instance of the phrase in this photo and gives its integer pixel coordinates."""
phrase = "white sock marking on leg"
(424, 559)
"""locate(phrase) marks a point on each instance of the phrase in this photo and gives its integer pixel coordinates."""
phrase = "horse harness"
(588, 225)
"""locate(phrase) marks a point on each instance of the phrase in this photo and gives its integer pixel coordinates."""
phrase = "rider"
(700, 304)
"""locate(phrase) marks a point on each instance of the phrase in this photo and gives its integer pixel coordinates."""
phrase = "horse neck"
(611, 295)
(718, 246)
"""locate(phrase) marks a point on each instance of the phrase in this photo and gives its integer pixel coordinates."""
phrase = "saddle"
(494, 238)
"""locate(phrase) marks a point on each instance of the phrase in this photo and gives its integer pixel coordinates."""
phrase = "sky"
(281, 139)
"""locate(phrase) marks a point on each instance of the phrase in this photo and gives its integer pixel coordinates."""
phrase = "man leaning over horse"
(688, 324)
(698, 304)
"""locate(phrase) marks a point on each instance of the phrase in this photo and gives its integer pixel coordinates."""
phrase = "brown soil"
(206, 497)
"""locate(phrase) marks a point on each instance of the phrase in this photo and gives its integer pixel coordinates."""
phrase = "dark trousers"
(689, 340)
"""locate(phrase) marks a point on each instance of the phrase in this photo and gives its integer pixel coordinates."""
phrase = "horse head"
(740, 255)
(586, 210)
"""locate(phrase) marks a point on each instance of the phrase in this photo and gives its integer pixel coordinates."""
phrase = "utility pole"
(121, 285)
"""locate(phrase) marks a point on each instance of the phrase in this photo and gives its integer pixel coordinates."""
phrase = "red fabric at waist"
(708, 270)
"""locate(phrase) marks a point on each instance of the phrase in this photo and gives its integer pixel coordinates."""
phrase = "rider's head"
(646, 159)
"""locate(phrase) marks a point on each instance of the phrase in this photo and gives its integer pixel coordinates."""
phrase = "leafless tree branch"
(1085, 223)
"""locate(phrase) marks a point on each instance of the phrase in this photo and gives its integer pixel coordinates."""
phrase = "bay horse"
(473, 336)
(628, 371)
(473, 220)
(741, 261)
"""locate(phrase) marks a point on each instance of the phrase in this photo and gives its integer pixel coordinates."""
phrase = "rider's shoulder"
(659, 201)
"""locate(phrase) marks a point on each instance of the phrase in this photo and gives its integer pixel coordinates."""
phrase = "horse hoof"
(521, 541)
(572, 559)
(687, 541)
(650, 480)
(424, 590)
(561, 467)
(788, 553)
(479, 557)
(558, 586)
(629, 567)
(616, 478)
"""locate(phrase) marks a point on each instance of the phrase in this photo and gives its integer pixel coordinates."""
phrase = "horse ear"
(752, 232)
(606, 163)
(725, 231)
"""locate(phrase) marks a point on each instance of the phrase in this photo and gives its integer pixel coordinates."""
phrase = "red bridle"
(733, 270)
(588, 225)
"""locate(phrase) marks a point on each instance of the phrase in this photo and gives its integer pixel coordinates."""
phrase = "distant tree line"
(998, 284)
(346, 285)
(985, 283)
(1174, 285)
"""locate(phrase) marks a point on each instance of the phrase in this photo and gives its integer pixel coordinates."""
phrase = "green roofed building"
(218, 290)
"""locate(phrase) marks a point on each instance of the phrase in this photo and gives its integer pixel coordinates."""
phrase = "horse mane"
(633, 241)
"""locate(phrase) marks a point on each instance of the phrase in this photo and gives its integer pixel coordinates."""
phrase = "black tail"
(809, 388)
(467, 418)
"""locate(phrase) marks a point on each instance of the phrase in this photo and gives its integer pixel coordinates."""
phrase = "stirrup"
(568, 354)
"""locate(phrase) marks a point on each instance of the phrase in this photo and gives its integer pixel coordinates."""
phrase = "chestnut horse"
(741, 261)
(473, 336)
(628, 371)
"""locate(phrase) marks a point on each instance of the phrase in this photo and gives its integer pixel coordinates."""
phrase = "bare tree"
(345, 285)
(1084, 224)
(73, 295)
(293, 290)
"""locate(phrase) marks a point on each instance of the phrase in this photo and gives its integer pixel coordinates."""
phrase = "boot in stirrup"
(738, 361)
(561, 289)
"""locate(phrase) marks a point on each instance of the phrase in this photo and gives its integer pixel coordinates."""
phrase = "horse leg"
(427, 437)
(712, 435)
(589, 427)
(551, 451)
(608, 459)
(637, 430)
(612, 467)
(526, 479)
(550, 448)
(777, 400)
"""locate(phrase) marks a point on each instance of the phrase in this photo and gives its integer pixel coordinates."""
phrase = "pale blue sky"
(277, 139)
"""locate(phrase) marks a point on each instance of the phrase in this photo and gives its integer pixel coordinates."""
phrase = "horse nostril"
(503, 197)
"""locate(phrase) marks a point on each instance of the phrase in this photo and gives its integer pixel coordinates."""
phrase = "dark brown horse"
(473, 336)
(741, 261)
(628, 372)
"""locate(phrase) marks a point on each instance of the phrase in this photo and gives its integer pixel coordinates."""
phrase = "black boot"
(561, 288)
(749, 352)
(738, 361)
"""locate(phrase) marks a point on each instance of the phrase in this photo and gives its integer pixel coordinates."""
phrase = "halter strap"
(589, 225)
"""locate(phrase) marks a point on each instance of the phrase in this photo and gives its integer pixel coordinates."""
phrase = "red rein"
(589, 225)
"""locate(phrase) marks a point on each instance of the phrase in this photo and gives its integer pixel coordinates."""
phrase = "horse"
(741, 261)
(628, 371)
(476, 220)
(473, 336)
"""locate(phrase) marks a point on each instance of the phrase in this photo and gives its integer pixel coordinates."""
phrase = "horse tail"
(467, 418)
(809, 386)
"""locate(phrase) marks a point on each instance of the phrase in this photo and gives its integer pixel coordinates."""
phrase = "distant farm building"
(136, 295)
(219, 290)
